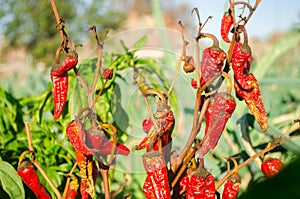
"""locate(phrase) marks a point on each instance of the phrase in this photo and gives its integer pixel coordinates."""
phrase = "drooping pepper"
(59, 91)
(198, 184)
(156, 185)
(226, 23)
(218, 112)
(246, 85)
(70, 62)
(212, 61)
(271, 167)
(254, 101)
(29, 176)
(88, 143)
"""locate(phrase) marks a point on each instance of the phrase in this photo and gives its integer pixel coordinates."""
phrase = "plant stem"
(104, 174)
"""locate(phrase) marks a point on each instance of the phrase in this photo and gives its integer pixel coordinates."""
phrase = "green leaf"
(141, 42)
(10, 181)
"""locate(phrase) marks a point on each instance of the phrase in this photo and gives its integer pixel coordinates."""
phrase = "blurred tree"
(31, 24)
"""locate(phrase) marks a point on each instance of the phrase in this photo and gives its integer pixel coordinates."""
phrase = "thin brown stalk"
(104, 174)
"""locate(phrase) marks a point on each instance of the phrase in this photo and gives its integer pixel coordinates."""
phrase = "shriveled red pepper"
(156, 185)
(88, 143)
(253, 100)
(226, 23)
(241, 61)
(218, 112)
(231, 187)
(59, 91)
(212, 61)
(29, 176)
(198, 185)
(271, 167)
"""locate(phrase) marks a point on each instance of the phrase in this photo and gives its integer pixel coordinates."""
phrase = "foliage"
(25, 27)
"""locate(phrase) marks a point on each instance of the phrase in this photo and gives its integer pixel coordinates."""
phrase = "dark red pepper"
(231, 187)
(271, 167)
(198, 185)
(70, 62)
(212, 61)
(253, 100)
(59, 91)
(29, 176)
(108, 73)
(156, 185)
(226, 23)
(241, 61)
(218, 112)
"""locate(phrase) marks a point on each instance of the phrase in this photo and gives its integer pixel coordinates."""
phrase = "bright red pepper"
(226, 23)
(156, 185)
(271, 167)
(231, 187)
(218, 112)
(29, 176)
(253, 100)
(59, 91)
(198, 185)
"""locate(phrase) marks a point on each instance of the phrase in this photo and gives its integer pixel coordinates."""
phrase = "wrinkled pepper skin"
(29, 176)
(253, 100)
(156, 185)
(271, 167)
(212, 62)
(241, 61)
(226, 23)
(217, 115)
(197, 187)
(59, 91)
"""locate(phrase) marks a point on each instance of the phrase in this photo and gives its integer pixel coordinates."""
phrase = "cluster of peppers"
(158, 144)
(90, 142)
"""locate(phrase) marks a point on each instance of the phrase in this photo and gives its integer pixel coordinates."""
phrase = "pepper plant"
(80, 113)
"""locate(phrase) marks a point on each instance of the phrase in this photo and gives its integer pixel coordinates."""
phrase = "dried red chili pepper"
(253, 100)
(88, 143)
(271, 167)
(156, 185)
(226, 23)
(241, 61)
(231, 187)
(212, 61)
(218, 112)
(59, 91)
(29, 176)
(198, 184)
(72, 189)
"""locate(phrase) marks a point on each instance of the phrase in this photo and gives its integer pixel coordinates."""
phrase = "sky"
(271, 15)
